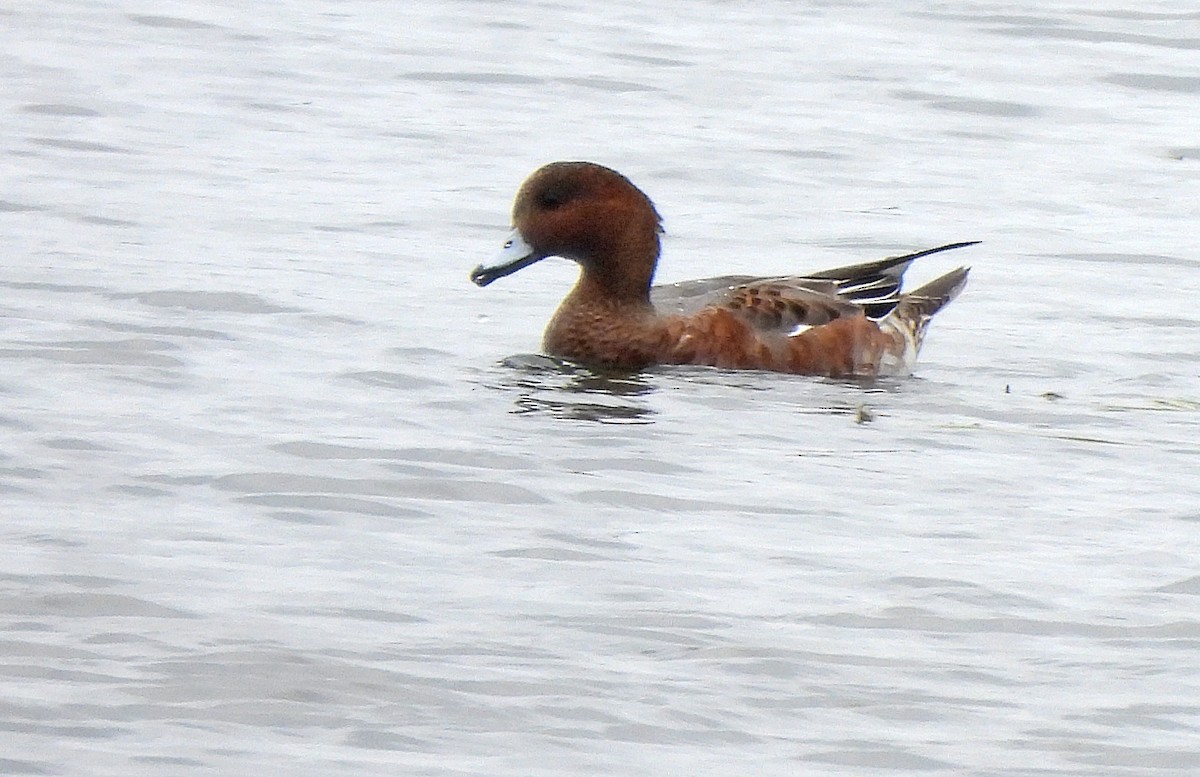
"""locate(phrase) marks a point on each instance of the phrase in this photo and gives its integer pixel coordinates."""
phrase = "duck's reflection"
(567, 390)
(564, 389)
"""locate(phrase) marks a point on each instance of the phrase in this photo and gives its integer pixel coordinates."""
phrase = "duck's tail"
(912, 314)
(875, 286)
(921, 303)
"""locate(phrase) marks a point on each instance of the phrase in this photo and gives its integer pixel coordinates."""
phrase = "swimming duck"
(851, 321)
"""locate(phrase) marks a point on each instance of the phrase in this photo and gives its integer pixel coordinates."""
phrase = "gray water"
(283, 493)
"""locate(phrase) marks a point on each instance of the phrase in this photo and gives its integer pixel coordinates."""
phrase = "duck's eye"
(508, 243)
(554, 196)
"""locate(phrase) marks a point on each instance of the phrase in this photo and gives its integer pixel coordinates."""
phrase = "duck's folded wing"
(869, 288)
(769, 304)
(788, 305)
(687, 297)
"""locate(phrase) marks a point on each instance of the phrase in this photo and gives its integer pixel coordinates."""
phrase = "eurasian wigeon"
(849, 321)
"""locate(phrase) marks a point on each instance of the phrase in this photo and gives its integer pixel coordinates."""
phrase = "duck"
(848, 322)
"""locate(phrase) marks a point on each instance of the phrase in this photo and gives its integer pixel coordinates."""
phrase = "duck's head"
(587, 213)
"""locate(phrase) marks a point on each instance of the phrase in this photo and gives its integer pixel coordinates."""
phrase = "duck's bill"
(515, 255)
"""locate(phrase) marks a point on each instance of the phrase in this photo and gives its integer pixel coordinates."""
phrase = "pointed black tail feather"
(891, 267)
(875, 286)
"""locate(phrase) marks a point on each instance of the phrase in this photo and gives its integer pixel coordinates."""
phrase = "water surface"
(282, 490)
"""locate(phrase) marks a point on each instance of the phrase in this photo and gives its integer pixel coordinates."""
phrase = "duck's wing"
(788, 305)
(784, 304)
(870, 288)
(686, 297)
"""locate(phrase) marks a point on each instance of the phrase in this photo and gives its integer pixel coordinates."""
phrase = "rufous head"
(587, 213)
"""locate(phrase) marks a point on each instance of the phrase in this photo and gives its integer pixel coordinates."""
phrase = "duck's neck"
(616, 291)
(622, 270)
